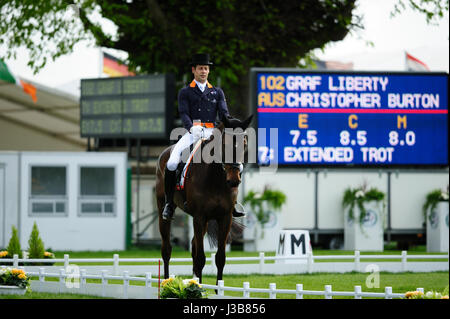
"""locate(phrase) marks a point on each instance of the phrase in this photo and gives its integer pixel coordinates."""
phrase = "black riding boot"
(169, 188)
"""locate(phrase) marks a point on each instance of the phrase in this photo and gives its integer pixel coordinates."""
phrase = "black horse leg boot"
(169, 188)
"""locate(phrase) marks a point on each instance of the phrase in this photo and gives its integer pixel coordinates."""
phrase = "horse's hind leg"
(224, 226)
(166, 247)
(198, 253)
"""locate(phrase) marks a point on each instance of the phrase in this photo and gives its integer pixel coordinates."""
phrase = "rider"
(197, 101)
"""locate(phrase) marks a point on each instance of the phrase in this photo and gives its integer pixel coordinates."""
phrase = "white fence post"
(66, 261)
(62, 281)
(246, 286)
(310, 262)
(126, 282)
(116, 264)
(220, 290)
(358, 292)
(404, 260)
(15, 261)
(272, 294)
(148, 285)
(104, 282)
(388, 292)
(357, 260)
(41, 274)
(299, 293)
(261, 262)
(328, 292)
(83, 280)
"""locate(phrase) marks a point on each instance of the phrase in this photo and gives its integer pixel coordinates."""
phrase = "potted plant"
(177, 288)
(433, 198)
(13, 281)
(363, 218)
(263, 204)
(435, 213)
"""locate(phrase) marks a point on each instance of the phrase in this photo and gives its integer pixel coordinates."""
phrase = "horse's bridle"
(232, 165)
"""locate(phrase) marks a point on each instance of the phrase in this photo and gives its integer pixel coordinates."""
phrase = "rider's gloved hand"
(197, 131)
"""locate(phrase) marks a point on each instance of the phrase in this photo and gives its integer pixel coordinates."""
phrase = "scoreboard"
(138, 106)
(350, 118)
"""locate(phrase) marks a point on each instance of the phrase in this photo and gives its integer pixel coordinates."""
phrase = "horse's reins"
(233, 165)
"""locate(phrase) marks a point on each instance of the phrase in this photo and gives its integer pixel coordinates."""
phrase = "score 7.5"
(311, 138)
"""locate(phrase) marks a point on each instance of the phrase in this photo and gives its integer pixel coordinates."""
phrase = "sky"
(391, 37)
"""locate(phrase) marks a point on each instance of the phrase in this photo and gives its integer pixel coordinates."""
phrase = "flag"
(333, 65)
(7, 76)
(114, 67)
(414, 64)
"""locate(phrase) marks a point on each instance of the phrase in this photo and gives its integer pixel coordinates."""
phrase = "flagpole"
(100, 62)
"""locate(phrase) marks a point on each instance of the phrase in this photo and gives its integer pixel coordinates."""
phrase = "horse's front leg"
(198, 253)
(224, 229)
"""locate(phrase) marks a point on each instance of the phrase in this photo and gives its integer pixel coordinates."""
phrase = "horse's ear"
(246, 123)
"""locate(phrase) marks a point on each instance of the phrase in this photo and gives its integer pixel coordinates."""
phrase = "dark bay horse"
(211, 190)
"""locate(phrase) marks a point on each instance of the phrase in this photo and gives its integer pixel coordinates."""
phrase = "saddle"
(183, 168)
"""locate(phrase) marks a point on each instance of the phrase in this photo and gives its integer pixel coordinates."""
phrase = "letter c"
(352, 121)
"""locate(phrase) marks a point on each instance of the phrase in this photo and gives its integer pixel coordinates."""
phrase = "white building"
(77, 199)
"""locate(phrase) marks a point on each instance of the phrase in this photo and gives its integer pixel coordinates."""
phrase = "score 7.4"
(311, 137)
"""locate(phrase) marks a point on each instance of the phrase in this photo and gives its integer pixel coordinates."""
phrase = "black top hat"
(201, 59)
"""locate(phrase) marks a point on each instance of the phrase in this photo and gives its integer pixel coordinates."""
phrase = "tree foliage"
(161, 36)
(35, 244)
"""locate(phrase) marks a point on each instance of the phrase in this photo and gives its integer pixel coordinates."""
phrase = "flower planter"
(368, 235)
(12, 290)
(437, 228)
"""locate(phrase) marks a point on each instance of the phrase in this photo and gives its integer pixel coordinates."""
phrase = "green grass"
(45, 295)
(177, 252)
(400, 282)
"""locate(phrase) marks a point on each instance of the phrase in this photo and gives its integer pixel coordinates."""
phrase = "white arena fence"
(262, 264)
(77, 283)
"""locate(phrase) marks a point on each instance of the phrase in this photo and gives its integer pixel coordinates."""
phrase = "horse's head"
(234, 147)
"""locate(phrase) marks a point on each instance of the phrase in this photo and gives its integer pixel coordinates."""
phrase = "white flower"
(359, 194)
(258, 196)
(444, 196)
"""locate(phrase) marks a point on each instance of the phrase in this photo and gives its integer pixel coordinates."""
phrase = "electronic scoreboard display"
(138, 106)
(350, 118)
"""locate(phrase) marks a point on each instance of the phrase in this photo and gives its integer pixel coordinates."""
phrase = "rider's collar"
(194, 83)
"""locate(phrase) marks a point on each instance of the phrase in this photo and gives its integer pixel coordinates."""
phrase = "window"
(48, 194)
(97, 191)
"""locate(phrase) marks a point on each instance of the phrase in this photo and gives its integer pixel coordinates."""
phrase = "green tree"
(161, 36)
(35, 244)
(14, 244)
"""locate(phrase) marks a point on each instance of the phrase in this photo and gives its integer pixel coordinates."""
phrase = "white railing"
(264, 264)
(77, 283)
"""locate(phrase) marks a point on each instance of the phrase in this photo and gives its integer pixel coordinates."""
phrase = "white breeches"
(184, 142)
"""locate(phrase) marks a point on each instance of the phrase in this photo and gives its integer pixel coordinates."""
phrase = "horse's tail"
(213, 231)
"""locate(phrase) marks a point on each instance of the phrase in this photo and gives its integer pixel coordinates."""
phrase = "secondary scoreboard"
(350, 118)
(120, 107)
